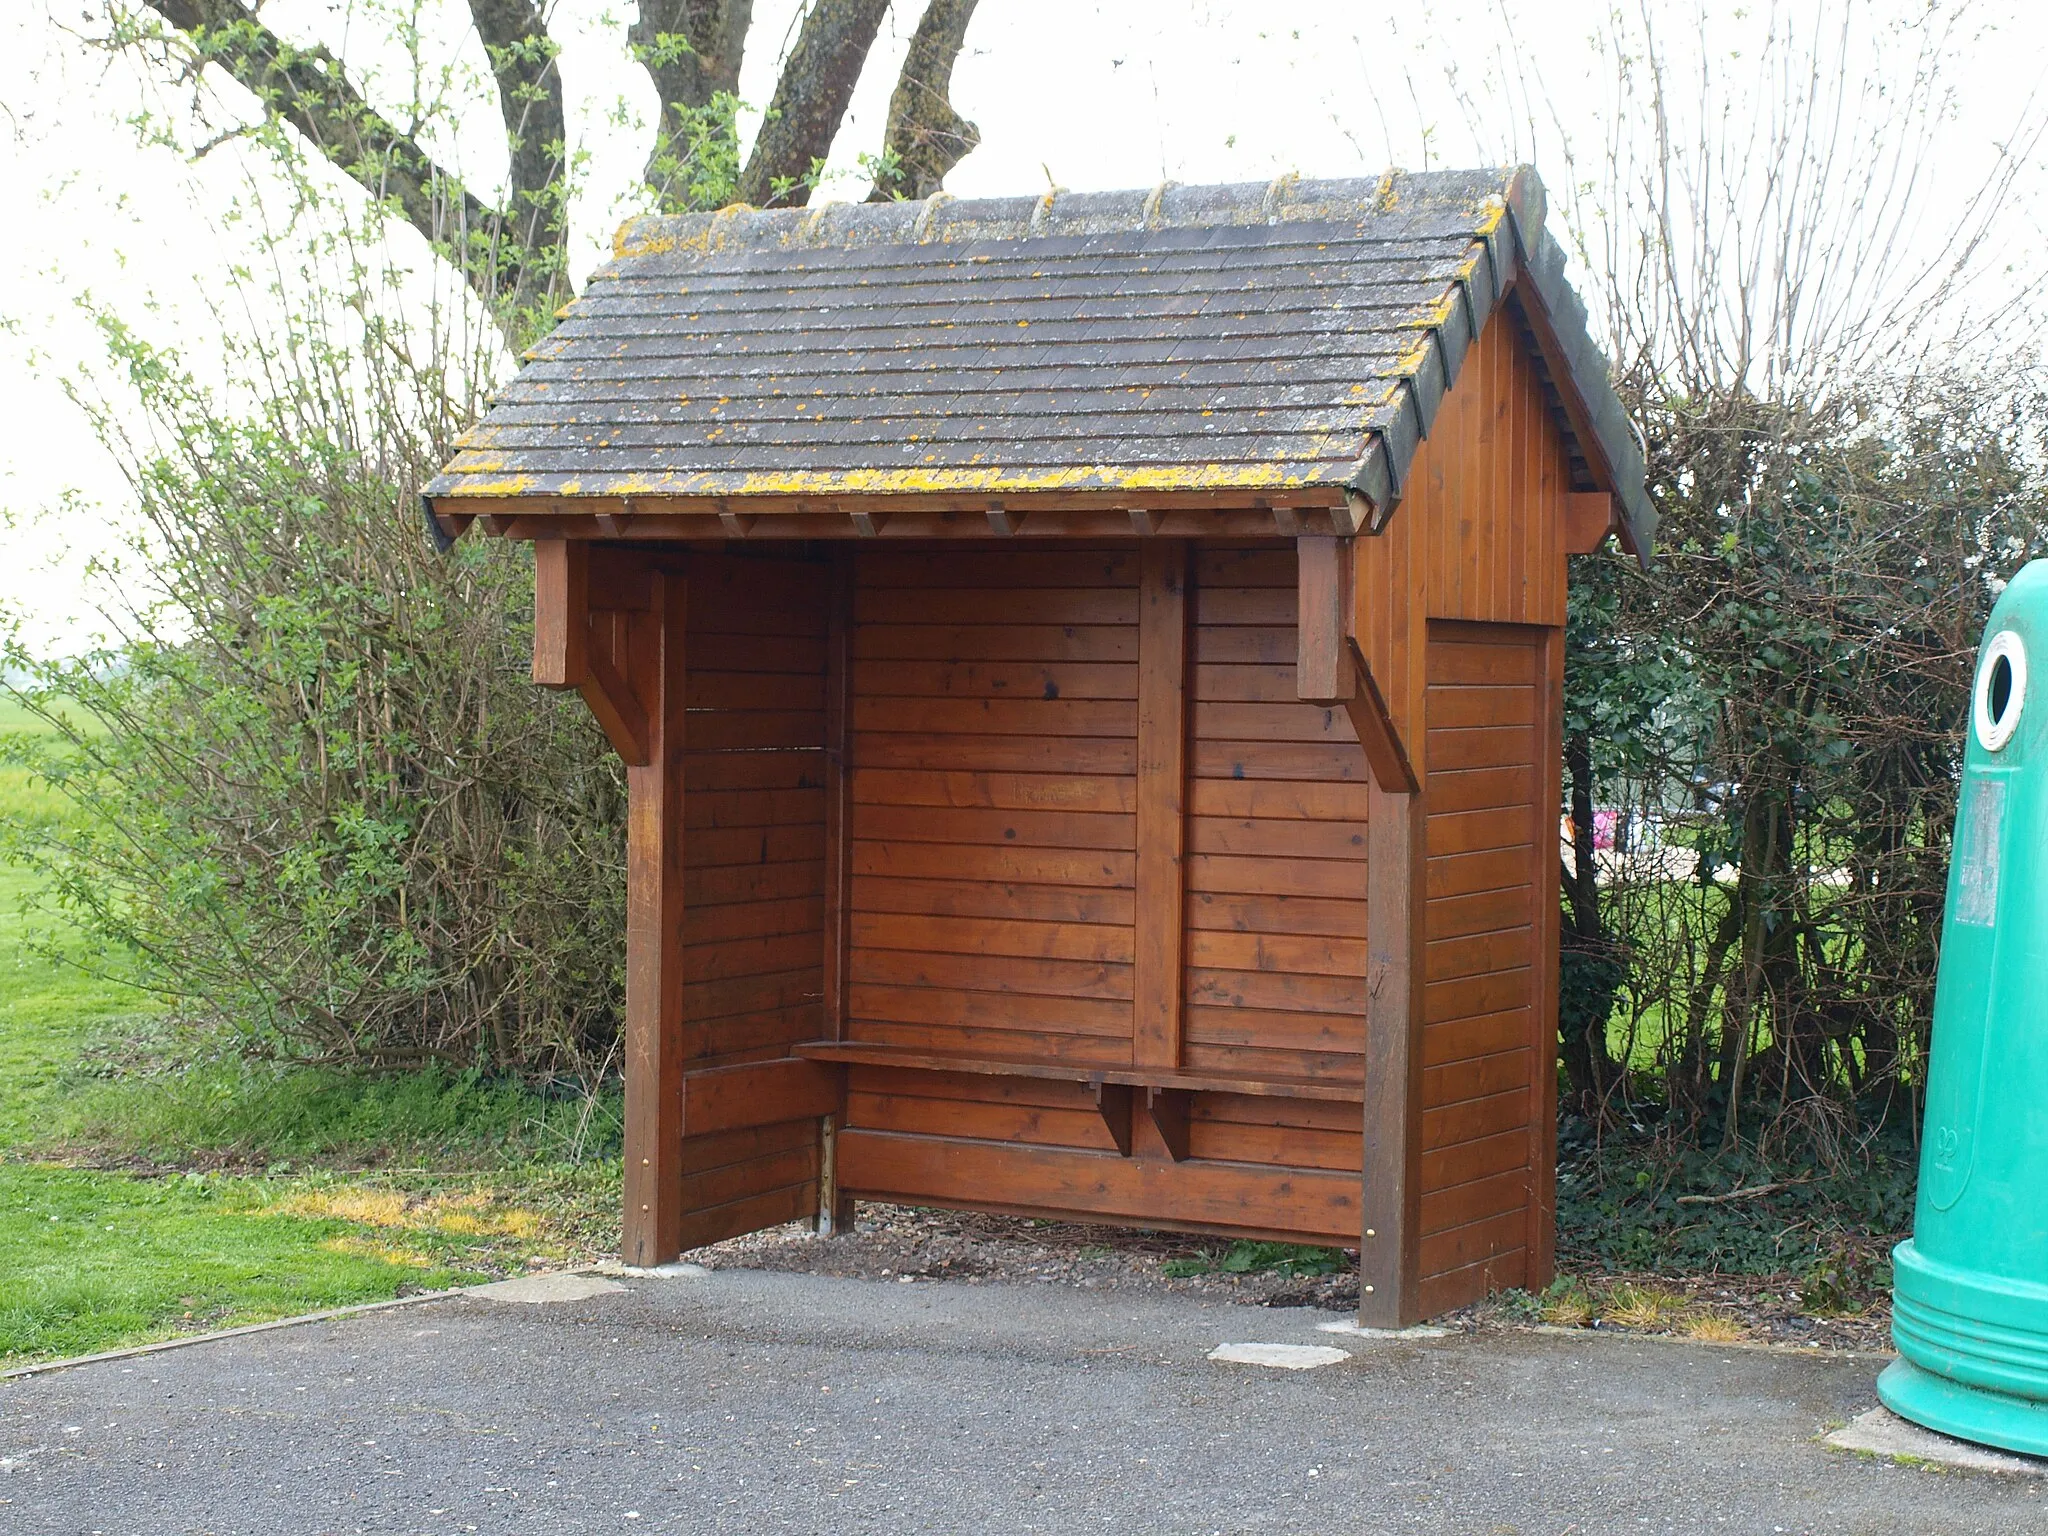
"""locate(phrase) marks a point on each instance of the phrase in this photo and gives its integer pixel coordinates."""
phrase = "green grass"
(99, 1259)
(146, 1191)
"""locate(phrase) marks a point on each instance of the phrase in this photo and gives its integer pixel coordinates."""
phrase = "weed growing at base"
(1251, 1258)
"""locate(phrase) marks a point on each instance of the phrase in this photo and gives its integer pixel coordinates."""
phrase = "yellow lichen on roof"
(921, 481)
(509, 485)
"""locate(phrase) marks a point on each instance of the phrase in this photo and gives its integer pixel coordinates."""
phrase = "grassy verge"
(146, 1191)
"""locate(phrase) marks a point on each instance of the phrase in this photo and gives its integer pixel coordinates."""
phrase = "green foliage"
(1836, 1279)
(696, 165)
(886, 171)
(1783, 700)
(781, 186)
(313, 800)
(1641, 1202)
(1254, 1258)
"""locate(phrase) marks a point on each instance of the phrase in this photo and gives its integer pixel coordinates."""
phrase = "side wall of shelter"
(743, 855)
(1460, 605)
(754, 815)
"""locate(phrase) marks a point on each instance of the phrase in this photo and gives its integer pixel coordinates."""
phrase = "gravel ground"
(907, 1244)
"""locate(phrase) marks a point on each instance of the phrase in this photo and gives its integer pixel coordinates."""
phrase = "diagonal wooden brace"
(570, 651)
(1330, 668)
(617, 708)
(1168, 1108)
(1385, 752)
(1114, 1102)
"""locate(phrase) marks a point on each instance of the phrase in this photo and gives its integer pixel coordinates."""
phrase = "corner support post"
(651, 1232)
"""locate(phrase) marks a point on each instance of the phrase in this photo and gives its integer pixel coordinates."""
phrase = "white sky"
(1091, 93)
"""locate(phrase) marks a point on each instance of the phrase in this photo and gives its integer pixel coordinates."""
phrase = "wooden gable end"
(1491, 487)
(1486, 519)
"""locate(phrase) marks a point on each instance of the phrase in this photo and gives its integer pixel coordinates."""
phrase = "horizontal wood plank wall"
(754, 807)
(1486, 945)
(994, 883)
(995, 752)
(1276, 858)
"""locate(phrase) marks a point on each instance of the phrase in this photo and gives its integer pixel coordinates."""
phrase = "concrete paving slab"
(1280, 1357)
(752, 1402)
(538, 1290)
(1883, 1432)
(678, 1269)
(1352, 1328)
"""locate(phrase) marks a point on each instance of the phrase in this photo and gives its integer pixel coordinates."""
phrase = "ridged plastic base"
(1967, 1413)
(1971, 1327)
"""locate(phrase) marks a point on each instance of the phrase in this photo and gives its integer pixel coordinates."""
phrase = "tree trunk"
(535, 224)
(810, 102)
(926, 137)
(1590, 968)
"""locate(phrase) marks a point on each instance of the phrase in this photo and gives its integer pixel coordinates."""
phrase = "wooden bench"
(1118, 1091)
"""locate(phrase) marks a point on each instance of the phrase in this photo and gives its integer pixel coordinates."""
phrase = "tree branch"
(522, 56)
(691, 49)
(308, 88)
(926, 137)
(810, 100)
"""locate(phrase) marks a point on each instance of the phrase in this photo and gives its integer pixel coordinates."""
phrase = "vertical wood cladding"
(754, 849)
(1488, 874)
(1490, 485)
(1479, 533)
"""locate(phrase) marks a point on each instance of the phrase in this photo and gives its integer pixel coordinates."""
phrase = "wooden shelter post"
(1161, 802)
(653, 1218)
(835, 1207)
(1388, 637)
(1390, 1246)
(1543, 1111)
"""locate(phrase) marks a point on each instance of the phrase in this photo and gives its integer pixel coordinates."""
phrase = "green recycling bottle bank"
(1970, 1287)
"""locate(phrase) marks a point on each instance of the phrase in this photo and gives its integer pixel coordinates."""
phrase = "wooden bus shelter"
(1089, 670)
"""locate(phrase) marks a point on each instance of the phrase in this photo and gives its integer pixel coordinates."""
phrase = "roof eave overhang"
(1322, 508)
(1513, 261)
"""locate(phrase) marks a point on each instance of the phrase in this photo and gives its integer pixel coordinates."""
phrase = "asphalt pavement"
(759, 1402)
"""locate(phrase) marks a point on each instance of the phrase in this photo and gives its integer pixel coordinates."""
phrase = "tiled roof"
(1266, 338)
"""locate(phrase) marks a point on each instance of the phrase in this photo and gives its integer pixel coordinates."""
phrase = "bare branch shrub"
(1847, 436)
